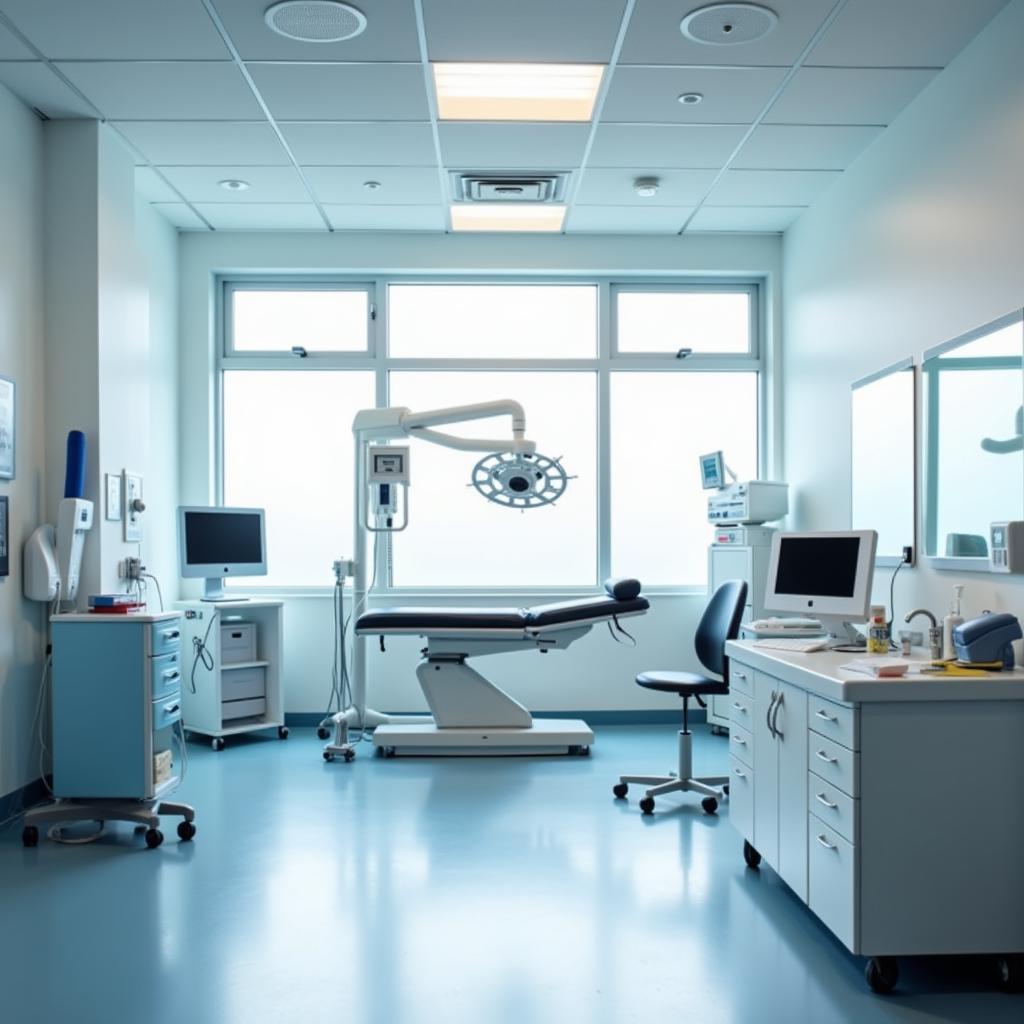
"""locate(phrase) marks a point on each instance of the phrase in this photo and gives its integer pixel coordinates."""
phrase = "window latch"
(298, 350)
(683, 353)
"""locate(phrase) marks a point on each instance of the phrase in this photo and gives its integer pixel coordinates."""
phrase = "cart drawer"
(166, 711)
(832, 762)
(741, 744)
(231, 709)
(165, 673)
(243, 683)
(832, 806)
(237, 642)
(741, 797)
(165, 638)
(741, 677)
(836, 721)
(832, 891)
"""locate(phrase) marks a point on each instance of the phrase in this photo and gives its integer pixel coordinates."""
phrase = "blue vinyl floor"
(455, 891)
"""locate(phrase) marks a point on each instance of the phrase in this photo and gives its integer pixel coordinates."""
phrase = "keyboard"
(802, 645)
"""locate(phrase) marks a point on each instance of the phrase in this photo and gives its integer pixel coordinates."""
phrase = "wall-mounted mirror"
(974, 452)
(883, 459)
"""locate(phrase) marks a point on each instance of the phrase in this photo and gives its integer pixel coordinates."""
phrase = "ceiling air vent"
(508, 188)
(315, 21)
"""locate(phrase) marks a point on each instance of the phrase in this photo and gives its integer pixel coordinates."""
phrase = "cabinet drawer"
(741, 677)
(832, 806)
(832, 762)
(237, 642)
(832, 880)
(165, 675)
(741, 744)
(242, 683)
(165, 638)
(741, 709)
(166, 711)
(741, 797)
(231, 709)
(835, 721)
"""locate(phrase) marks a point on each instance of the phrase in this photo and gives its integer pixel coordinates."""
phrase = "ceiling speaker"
(315, 21)
(728, 24)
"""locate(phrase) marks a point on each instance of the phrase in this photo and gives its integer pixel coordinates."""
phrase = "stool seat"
(687, 684)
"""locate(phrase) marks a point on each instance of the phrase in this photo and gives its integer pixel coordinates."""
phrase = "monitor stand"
(213, 591)
(843, 635)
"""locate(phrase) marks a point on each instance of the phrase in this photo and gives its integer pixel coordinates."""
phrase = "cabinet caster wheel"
(328, 756)
(322, 733)
(881, 974)
(30, 836)
(389, 751)
(620, 789)
(647, 805)
(710, 805)
(1011, 971)
(750, 855)
(282, 732)
(217, 743)
(350, 756)
(584, 751)
(186, 831)
(725, 789)
(154, 837)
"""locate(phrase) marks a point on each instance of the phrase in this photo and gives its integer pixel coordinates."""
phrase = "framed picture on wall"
(5, 563)
(6, 429)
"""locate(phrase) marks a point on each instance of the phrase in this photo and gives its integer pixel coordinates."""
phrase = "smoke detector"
(646, 187)
(728, 24)
(315, 21)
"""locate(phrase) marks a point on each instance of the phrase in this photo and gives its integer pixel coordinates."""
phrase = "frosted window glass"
(480, 321)
(321, 320)
(456, 537)
(288, 449)
(661, 423)
(651, 321)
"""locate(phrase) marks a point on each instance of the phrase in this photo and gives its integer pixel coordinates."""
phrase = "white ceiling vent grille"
(728, 24)
(508, 188)
(315, 21)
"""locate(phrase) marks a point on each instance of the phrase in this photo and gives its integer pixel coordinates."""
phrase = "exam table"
(469, 714)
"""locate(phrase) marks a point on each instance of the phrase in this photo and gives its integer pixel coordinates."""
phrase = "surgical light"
(526, 480)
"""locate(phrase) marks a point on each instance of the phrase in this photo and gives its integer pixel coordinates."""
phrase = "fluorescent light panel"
(516, 92)
(495, 217)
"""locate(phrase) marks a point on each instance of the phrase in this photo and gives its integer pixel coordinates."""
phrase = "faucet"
(934, 632)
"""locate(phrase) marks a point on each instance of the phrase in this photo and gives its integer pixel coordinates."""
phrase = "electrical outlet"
(908, 555)
(133, 507)
(113, 510)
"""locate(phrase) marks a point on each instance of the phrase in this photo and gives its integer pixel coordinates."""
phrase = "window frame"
(606, 362)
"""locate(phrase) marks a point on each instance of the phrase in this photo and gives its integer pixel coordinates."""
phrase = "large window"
(596, 365)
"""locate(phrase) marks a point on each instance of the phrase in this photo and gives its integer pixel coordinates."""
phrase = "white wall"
(920, 240)
(21, 359)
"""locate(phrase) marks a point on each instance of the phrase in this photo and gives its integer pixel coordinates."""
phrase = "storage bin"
(237, 642)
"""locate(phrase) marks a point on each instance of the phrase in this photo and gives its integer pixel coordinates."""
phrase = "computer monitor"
(823, 575)
(712, 471)
(218, 542)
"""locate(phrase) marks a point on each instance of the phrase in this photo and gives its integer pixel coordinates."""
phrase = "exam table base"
(544, 736)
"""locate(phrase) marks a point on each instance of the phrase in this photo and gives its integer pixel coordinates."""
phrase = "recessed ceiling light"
(728, 24)
(646, 187)
(234, 184)
(515, 217)
(371, 186)
(315, 21)
(516, 92)
(689, 98)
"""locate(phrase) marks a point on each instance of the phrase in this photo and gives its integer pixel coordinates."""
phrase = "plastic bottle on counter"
(878, 630)
(950, 622)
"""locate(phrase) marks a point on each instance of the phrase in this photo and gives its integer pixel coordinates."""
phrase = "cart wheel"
(282, 732)
(725, 789)
(186, 831)
(584, 751)
(1011, 971)
(322, 733)
(328, 756)
(647, 805)
(710, 805)
(882, 973)
(389, 751)
(750, 855)
(154, 837)
(30, 836)
(620, 789)
(350, 755)
(217, 743)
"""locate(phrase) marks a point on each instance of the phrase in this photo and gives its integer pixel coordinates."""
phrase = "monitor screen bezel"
(206, 570)
(720, 467)
(850, 609)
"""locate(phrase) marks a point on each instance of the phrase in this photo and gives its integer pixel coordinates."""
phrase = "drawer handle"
(740, 740)
(822, 799)
(739, 675)
(821, 755)
(825, 716)
(824, 842)
(172, 674)
(169, 709)
(742, 775)
(739, 707)
(171, 634)
(236, 636)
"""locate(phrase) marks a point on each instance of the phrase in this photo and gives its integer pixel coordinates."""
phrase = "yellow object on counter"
(955, 668)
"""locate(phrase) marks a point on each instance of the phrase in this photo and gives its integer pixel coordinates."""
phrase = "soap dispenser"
(950, 622)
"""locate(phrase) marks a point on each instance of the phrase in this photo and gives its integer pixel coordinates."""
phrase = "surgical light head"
(524, 480)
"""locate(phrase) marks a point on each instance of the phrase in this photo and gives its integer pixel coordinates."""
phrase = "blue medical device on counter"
(988, 638)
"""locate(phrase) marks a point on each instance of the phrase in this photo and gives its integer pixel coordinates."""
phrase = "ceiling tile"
(731, 95)
(266, 184)
(771, 188)
(35, 84)
(661, 220)
(398, 185)
(390, 34)
(262, 216)
(12, 48)
(527, 30)
(343, 92)
(386, 218)
(180, 215)
(393, 142)
(212, 143)
(664, 145)
(745, 218)
(911, 33)
(806, 147)
(150, 91)
(151, 186)
(615, 188)
(112, 29)
(847, 95)
(469, 146)
(654, 36)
